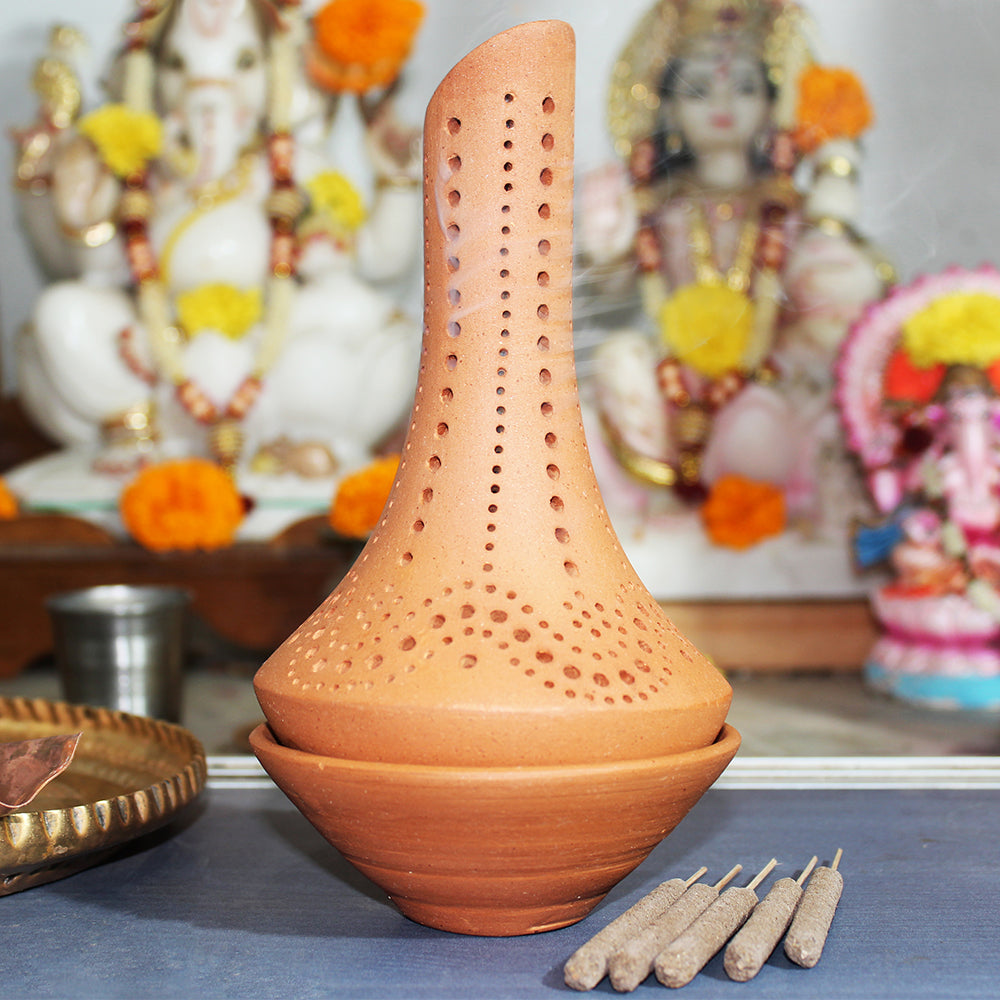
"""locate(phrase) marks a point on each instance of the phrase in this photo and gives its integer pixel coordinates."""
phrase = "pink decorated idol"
(917, 387)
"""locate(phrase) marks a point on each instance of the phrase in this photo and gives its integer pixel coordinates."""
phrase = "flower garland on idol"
(129, 136)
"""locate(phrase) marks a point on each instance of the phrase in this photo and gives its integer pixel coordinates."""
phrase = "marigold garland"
(229, 310)
(962, 328)
(361, 44)
(361, 497)
(708, 327)
(185, 504)
(337, 201)
(9, 507)
(126, 139)
(741, 512)
(832, 105)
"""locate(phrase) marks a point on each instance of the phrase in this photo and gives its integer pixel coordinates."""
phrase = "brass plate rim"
(155, 770)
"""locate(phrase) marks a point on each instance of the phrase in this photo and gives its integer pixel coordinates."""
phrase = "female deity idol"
(223, 287)
(748, 283)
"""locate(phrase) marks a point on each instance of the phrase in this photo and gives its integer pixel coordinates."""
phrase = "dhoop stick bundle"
(679, 926)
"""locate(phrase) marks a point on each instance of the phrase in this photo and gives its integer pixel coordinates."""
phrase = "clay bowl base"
(494, 851)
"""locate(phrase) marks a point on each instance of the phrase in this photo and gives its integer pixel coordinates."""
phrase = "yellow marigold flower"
(962, 328)
(185, 504)
(741, 512)
(9, 507)
(362, 44)
(231, 311)
(707, 327)
(336, 198)
(126, 139)
(361, 498)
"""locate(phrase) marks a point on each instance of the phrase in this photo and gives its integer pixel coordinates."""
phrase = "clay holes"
(467, 661)
(543, 311)
(406, 558)
(454, 126)
(498, 616)
(601, 681)
(455, 163)
(418, 526)
(454, 296)
(442, 429)
(437, 621)
(508, 166)
(467, 611)
(546, 176)
(454, 197)
(453, 265)
(542, 278)
(504, 273)
(571, 568)
(508, 98)
(545, 376)
(548, 105)
(434, 463)
(639, 624)
(544, 211)
(407, 643)
(454, 329)
(571, 672)
(453, 232)
(428, 495)
(509, 123)
(550, 439)
(451, 362)
(553, 472)
(447, 395)
(544, 247)
(508, 144)
(562, 536)
(556, 503)
(543, 345)
(522, 634)
(546, 409)
(374, 662)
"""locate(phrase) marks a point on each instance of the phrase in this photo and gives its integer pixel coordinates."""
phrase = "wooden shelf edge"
(778, 636)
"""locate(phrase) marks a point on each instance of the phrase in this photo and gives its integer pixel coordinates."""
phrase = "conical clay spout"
(493, 618)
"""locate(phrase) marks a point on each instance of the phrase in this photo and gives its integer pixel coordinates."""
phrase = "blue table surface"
(245, 899)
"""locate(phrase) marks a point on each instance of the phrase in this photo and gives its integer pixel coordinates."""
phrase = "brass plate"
(129, 776)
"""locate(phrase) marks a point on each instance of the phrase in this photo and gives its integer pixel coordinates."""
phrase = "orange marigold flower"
(185, 504)
(832, 105)
(361, 497)
(903, 380)
(360, 44)
(9, 507)
(741, 512)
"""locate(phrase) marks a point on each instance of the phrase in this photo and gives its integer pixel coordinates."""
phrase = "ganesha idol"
(225, 286)
(733, 220)
(918, 387)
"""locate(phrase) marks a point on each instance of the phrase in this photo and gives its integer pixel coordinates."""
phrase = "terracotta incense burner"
(491, 716)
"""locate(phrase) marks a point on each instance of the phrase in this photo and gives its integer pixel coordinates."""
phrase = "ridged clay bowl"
(494, 851)
(491, 716)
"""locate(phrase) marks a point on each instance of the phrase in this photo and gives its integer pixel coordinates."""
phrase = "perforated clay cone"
(493, 621)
